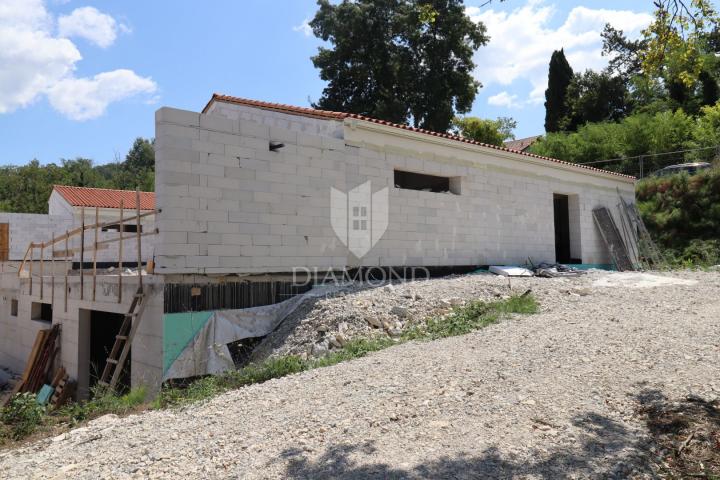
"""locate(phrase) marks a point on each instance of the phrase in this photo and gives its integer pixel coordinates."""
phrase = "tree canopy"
(492, 132)
(398, 60)
(26, 188)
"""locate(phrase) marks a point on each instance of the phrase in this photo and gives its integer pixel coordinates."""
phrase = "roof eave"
(357, 122)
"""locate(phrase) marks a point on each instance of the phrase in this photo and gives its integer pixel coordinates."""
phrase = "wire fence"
(642, 166)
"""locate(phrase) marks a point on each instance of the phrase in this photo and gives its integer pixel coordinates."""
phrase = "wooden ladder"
(123, 341)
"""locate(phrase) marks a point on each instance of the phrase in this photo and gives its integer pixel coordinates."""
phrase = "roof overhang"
(497, 152)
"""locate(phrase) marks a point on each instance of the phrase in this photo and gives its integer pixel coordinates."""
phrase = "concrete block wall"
(294, 123)
(230, 205)
(17, 333)
(26, 228)
(29, 227)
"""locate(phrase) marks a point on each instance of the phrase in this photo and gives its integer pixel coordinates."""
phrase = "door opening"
(104, 326)
(562, 228)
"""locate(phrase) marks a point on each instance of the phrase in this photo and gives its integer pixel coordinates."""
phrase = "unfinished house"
(86, 283)
(249, 192)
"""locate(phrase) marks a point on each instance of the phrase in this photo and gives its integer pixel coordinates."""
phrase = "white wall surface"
(28, 227)
(229, 205)
(17, 333)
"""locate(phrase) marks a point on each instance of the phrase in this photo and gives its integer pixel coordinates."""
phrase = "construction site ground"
(602, 383)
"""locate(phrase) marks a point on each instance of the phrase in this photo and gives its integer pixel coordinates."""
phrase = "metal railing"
(642, 166)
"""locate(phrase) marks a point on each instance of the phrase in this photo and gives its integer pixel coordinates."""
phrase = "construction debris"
(550, 270)
(40, 361)
(510, 271)
(637, 236)
(613, 240)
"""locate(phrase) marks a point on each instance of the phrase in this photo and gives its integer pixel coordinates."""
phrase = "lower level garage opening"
(99, 336)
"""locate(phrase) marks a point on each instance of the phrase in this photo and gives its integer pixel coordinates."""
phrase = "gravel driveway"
(551, 395)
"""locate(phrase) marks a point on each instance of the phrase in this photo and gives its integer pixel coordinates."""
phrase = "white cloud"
(85, 98)
(522, 41)
(504, 99)
(35, 62)
(304, 27)
(91, 24)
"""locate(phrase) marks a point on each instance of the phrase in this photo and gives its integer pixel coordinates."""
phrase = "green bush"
(682, 213)
(22, 415)
(103, 402)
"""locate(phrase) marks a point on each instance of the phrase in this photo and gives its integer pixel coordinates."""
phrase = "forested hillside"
(26, 188)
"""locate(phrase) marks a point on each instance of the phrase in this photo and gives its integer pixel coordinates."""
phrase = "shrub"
(103, 402)
(682, 213)
(22, 415)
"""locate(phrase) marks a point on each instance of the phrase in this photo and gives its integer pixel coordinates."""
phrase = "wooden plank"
(4, 242)
(120, 252)
(32, 252)
(22, 264)
(126, 237)
(42, 272)
(66, 271)
(139, 241)
(52, 279)
(82, 254)
(94, 285)
(39, 341)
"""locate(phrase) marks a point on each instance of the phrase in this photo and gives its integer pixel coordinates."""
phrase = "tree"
(492, 132)
(625, 55)
(595, 97)
(398, 60)
(559, 77)
(26, 188)
(677, 39)
(141, 155)
(708, 89)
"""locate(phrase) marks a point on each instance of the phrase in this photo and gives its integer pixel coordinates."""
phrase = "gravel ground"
(552, 395)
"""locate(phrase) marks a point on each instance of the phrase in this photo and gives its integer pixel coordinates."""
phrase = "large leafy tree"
(492, 132)
(560, 75)
(594, 97)
(398, 60)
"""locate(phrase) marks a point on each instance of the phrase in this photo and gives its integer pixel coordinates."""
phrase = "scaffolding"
(67, 254)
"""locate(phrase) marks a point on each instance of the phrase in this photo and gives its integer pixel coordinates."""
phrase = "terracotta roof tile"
(104, 197)
(521, 143)
(311, 112)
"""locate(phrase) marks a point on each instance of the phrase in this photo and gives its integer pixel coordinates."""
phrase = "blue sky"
(84, 78)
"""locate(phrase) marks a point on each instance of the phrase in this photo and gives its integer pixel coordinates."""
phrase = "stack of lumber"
(39, 363)
(63, 388)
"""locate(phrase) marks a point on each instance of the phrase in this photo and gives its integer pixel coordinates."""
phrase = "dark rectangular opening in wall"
(14, 307)
(41, 312)
(562, 228)
(128, 228)
(104, 326)
(426, 183)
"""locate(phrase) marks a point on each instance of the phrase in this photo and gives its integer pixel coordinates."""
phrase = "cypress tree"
(560, 75)
(710, 91)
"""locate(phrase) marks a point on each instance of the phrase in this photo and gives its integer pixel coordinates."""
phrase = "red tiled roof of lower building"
(105, 197)
(329, 115)
(521, 143)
